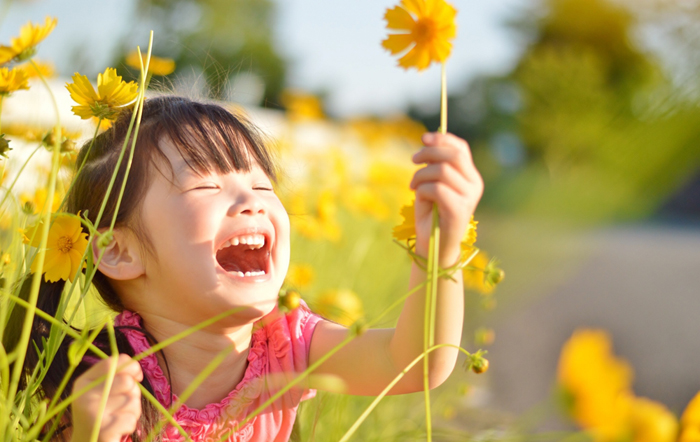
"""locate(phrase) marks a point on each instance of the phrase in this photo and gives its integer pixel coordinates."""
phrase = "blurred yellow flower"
(65, 247)
(341, 305)
(299, 275)
(112, 95)
(690, 421)
(474, 274)
(599, 384)
(428, 26)
(321, 223)
(652, 422)
(158, 65)
(36, 203)
(362, 199)
(46, 69)
(301, 105)
(24, 47)
(12, 80)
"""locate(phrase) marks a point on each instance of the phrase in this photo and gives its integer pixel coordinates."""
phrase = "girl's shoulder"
(288, 334)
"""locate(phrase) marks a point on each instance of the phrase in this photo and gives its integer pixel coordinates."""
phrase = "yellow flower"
(599, 384)
(690, 421)
(407, 229)
(652, 422)
(111, 97)
(157, 66)
(300, 275)
(428, 26)
(35, 204)
(12, 80)
(301, 106)
(65, 247)
(321, 222)
(342, 306)
(474, 274)
(24, 47)
(46, 70)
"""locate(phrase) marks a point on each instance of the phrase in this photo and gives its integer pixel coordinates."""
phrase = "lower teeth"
(241, 274)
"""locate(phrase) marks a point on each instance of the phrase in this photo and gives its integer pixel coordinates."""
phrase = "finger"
(450, 203)
(123, 383)
(127, 365)
(117, 425)
(444, 173)
(451, 149)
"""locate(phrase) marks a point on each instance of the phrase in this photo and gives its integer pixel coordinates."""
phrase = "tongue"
(241, 259)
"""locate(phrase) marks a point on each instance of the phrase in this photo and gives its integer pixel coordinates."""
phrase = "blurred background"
(583, 117)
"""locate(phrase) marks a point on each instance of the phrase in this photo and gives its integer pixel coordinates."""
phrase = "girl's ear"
(121, 257)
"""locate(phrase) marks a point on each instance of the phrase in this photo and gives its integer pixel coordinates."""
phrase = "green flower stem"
(108, 382)
(87, 154)
(139, 103)
(386, 390)
(209, 369)
(429, 320)
(36, 278)
(171, 420)
(433, 256)
(9, 189)
(443, 99)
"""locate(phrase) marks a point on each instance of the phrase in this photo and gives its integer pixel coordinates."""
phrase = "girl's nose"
(246, 203)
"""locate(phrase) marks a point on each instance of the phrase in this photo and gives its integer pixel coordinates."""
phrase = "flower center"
(424, 30)
(65, 244)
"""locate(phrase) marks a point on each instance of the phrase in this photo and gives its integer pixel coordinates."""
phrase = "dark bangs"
(208, 137)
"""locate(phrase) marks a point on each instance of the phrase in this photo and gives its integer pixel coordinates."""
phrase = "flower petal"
(399, 18)
(397, 43)
(418, 7)
(418, 57)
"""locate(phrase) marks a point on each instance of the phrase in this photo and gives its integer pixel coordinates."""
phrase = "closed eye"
(269, 189)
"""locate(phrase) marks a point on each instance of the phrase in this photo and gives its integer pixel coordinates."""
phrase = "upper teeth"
(255, 240)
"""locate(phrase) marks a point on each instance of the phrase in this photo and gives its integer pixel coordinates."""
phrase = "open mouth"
(245, 255)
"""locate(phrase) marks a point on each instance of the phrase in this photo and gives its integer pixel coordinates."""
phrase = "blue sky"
(333, 45)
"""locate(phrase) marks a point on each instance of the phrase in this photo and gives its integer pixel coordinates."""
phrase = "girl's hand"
(450, 180)
(123, 404)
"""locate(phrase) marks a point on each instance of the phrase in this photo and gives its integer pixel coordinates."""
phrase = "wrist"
(448, 256)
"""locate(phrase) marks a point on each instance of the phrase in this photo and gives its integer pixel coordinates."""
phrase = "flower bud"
(477, 362)
(105, 239)
(4, 146)
(480, 366)
(492, 273)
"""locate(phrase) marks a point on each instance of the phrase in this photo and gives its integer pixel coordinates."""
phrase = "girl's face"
(221, 241)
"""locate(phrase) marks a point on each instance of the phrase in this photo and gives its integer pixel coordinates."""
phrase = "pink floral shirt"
(278, 350)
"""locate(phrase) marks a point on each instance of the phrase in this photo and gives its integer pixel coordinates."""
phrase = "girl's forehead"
(182, 166)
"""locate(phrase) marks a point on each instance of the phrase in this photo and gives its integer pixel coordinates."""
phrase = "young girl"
(201, 231)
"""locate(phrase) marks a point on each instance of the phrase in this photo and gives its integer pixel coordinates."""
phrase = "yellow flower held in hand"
(64, 249)
(12, 80)
(112, 95)
(427, 26)
(407, 229)
(24, 47)
(158, 65)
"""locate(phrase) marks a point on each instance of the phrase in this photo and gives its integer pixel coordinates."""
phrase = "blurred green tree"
(221, 40)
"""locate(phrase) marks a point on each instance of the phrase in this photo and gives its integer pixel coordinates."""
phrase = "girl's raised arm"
(371, 361)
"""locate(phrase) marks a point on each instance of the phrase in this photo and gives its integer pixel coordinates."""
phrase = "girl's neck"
(190, 355)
